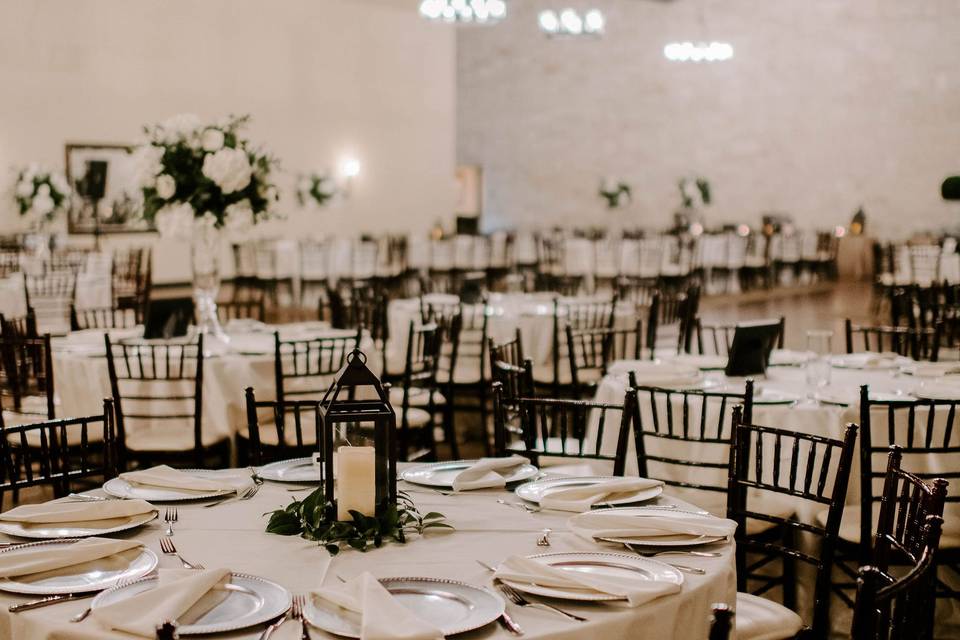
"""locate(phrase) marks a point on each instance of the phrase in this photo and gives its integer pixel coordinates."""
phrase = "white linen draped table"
(532, 313)
(232, 536)
(83, 381)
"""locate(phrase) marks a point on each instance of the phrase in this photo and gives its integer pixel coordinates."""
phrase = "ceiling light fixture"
(568, 22)
(464, 11)
(698, 52)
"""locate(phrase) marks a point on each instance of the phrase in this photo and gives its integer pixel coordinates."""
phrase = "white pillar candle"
(356, 481)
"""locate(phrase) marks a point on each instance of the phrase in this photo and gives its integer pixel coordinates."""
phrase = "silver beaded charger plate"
(299, 470)
(442, 474)
(243, 602)
(601, 564)
(95, 575)
(54, 530)
(120, 488)
(535, 491)
(451, 606)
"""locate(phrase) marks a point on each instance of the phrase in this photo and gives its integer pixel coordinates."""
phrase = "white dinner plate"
(536, 490)
(95, 575)
(248, 601)
(442, 474)
(451, 606)
(295, 470)
(675, 540)
(120, 488)
(85, 529)
(767, 395)
(599, 563)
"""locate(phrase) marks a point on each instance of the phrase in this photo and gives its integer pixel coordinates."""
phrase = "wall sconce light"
(349, 169)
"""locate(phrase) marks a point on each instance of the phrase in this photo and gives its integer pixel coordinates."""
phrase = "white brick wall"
(827, 105)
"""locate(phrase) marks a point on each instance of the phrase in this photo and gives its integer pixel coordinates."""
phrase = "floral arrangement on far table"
(40, 194)
(694, 192)
(190, 170)
(315, 188)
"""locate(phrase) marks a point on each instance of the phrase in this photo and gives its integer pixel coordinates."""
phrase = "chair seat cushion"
(761, 619)
(416, 418)
(418, 397)
(850, 527)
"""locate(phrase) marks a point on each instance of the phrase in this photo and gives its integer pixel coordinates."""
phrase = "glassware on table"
(820, 344)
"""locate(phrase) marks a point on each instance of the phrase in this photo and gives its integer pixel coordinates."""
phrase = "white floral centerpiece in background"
(315, 189)
(197, 179)
(694, 192)
(616, 193)
(40, 194)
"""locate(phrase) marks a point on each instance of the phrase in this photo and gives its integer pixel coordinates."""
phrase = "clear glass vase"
(205, 262)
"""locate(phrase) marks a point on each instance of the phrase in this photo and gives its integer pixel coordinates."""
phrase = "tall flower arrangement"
(193, 171)
(40, 194)
(315, 188)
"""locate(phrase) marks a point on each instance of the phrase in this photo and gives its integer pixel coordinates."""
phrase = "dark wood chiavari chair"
(27, 376)
(721, 622)
(363, 304)
(550, 428)
(58, 453)
(158, 394)
(449, 318)
(514, 374)
(576, 314)
(9, 262)
(591, 350)
(102, 318)
(673, 310)
(919, 343)
(51, 295)
(133, 279)
(289, 429)
(805, 467)
(250, 309)
(424, 348)
(924, 430)
(908, 535)
(24, 326)
(472, 378)
(304, 368)
(716, 339)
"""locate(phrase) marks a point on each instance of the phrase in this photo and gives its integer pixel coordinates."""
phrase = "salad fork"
(297, 612)
(518, 599)
(170, 549)
(170, 516)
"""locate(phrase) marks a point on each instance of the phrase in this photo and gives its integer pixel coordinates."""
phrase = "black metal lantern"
(357, 398)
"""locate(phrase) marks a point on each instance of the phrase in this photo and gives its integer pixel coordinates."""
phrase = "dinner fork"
(170, 549)
(518, 599)
(170, 516)
(519, 505)
(297, 612)
(544, 539)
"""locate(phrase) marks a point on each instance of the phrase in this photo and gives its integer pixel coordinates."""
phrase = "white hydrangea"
(166, 186)
(147, 163)
(43, 190)
(229, 169)
(60, 184)
(238, 217)
(43, 204)
(25, 188)
(212, 140)
(181, 126)
(175, 221)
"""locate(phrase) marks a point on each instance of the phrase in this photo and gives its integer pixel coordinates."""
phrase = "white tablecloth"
(82, 380)
(232, 535)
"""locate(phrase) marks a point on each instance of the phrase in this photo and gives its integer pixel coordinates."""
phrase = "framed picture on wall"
(119, 209)
(469, 190)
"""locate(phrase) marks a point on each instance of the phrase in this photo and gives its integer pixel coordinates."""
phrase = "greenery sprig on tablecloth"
(308, 519)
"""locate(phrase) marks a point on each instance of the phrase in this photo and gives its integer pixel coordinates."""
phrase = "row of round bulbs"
(464, 10)
(569, 22)
(698, 52)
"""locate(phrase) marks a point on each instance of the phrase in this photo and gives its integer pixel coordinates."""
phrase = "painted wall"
(825, 106)
(323, 79)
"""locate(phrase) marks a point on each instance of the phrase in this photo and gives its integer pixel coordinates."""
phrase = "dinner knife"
(43, 602)
(509, 624)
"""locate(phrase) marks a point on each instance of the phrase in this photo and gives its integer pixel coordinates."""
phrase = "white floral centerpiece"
(198, 178)
(315, 188)
(40, 194)
(694, 192)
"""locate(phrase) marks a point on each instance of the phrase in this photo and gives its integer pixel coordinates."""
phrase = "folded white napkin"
(582, 498)
(658, 374)
(631, 523)
(381, 616)
(57, 556)
(938, 391)
(637, 591)
(166, 477)
(76, 511)
(176, 592)
(487, 472)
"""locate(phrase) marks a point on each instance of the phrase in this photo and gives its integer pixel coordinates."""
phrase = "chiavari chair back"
(24, 326)
(27, 376)
(419, 380)
(578, 314)
(58, 453)
(303, 369)
(249, 309)
(51, 295)
(157, 389)
(101, 318)
(721, 622)
(915, 343)
(591, 350)
(716, 339)
(551, 428)
(809, 468)
(281, 430)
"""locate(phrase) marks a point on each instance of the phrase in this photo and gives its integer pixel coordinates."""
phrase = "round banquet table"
(531, 313)
(232, 535)
(82, 380)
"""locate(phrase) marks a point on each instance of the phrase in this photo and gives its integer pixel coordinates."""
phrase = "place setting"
(78, 517)
(466, 475)
(166, 484)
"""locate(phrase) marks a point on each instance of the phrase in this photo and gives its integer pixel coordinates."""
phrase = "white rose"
(32, 169)
(212, 140)
(175, 221)
(238, 217)
(147, 164)
(229, 169)
(43, 190)
(43, 204)
(166, 186)
(181, 125)
(270, 194)
(60, 184)
(25, 188)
